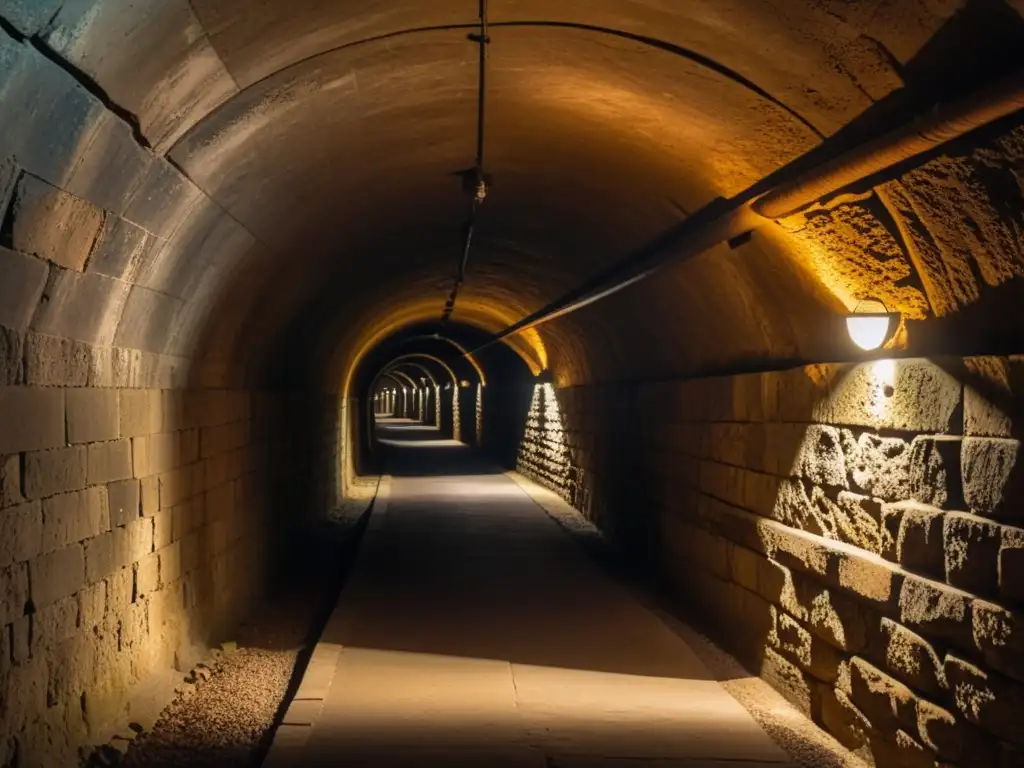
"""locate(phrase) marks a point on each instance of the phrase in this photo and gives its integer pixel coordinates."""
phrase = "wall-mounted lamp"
(463, 383)
(871, 325)
(447, 385)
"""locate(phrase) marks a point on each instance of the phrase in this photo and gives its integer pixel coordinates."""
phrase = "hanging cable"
(475, 181)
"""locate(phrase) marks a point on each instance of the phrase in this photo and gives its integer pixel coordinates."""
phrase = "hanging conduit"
(475, 180)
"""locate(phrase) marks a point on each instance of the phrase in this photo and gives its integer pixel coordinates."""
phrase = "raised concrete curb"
(304, 709)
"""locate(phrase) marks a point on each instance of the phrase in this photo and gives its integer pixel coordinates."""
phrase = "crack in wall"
(38, 42)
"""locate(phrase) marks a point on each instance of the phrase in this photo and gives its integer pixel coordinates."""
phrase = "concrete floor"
(474, 632)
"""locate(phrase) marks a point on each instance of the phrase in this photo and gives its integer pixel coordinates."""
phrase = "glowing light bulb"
(868, 331)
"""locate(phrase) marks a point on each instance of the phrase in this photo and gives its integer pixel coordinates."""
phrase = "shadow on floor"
(404, 446)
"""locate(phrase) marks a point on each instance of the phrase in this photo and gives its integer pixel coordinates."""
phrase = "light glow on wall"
(544, 454)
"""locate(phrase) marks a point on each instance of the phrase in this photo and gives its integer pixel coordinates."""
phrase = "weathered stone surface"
(830, 615)
(140, 412)
(170, 562)
(33, 419)
(808, 651)
(120, 585)
(21, 533)
(781, 444)
(121, 249)
(73, 517)
(793, 507)
(101, 367)
(57, 574)
(112, 168)
(155, 454)
(1011, 564)
(24, 693)
(951, 738)
(55, 471)
(162, 528)
(993, 477)
(886, 702)
(124, 498)
(92, 605)
(109, 461)
(36, 205)
(107, 554)
(149, 320)
(150, 495)
(56, 362)
(788, 680)
(12, 357)
(988, 397)
(92, 415)
(924, 398)
(744, 566)
(912, 537)
(900, 749)
(989, 701)
(24, 279)
(936, 610)
(47, 115)
(759, 490)
(820, 459)
(84, 307)
(10, 481)
(908, 656)
(189, 516)
(14, 592)
(147, 574)
(842, 719)
(999, 635)
(53, 624)
(972, 552)
(181, 484)
(879, 466)
(935, 470)
(858, 521)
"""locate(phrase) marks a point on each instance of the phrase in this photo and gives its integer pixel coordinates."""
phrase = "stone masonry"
(855, 534)
(136, 475)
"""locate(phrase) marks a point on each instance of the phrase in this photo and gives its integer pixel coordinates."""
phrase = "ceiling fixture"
(871, 325)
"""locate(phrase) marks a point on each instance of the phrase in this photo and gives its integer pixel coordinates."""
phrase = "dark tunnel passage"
(668, 356)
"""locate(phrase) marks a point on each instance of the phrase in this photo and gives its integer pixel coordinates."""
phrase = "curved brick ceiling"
(331, 133)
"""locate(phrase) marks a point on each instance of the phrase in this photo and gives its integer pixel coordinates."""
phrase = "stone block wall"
(133, 531)
(543, 454)
(138, 476)
(854, 534)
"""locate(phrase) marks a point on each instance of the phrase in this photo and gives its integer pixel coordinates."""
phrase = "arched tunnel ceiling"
(331, 135)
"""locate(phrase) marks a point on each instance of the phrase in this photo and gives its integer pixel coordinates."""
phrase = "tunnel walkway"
(474, 632)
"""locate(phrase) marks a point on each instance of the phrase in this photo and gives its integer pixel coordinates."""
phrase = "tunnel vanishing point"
(610, 244)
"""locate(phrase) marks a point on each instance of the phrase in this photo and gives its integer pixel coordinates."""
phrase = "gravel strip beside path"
(228, 720)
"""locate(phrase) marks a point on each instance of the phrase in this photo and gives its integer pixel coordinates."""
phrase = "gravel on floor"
(228, 720)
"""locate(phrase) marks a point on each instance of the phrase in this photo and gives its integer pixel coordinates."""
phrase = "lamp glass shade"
(868, 331)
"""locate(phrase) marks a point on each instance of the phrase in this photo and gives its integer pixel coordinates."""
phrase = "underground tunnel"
(576, 384)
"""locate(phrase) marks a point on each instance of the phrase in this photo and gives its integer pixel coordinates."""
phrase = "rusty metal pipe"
(943, 124)
(750, 210)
